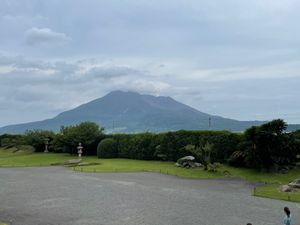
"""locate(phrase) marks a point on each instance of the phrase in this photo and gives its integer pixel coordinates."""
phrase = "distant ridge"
(130, 112)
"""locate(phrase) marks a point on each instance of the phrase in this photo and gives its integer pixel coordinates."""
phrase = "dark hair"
(249, 223)
(287, 211)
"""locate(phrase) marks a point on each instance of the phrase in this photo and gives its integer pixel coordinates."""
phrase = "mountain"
(121, 111)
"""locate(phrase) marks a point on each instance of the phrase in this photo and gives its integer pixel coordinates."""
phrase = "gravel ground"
(58, 196)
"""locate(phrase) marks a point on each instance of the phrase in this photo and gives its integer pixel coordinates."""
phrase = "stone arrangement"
(291, 187)
(187, 162)
(285, 188)
(295, 183)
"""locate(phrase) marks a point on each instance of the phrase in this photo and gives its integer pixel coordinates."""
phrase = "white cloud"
(281, 70)
(36, 36)
(42, 89)
(144, 85)
(208, 54)
(45, 88)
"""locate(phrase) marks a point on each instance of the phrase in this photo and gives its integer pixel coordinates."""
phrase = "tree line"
(265, 146)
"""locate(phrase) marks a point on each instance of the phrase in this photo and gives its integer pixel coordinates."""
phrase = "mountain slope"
(121, 111)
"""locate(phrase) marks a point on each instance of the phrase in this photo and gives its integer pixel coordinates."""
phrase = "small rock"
(187, 162)
(72, 161)
(197, 164)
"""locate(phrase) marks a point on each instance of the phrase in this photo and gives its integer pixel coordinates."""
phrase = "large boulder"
(295, 183)
(285, 188)
(187, 162)
(186, 159)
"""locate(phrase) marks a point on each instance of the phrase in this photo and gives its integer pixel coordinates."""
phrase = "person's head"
(287, 211)
(249, 223)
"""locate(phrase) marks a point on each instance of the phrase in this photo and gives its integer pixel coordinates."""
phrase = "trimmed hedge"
(171, 145)
(107, 148)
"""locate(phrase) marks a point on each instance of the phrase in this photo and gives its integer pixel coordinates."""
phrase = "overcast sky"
(233, 58)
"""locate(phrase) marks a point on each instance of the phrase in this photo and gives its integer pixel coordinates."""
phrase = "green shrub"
(213, 167)
(10, 140)
(107, 148)
(237, 159)
(270, 145)
(37, 138)
(138, 146)
(87, 133)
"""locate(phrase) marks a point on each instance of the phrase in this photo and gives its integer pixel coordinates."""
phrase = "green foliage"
(296, 134)
(268, 145)
(174, 144)
(213, 167)
(171, 146)
(88, 133)
(275, 127)
(264, 146)
(37, 138)
(159, 154)
(201, 153)
(296, 137)
(139, 146)
(207, 151)
(194, 150)
(237, 159)
(107, 148)
(10, 140)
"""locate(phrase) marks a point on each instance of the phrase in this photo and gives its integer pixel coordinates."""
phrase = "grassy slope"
(11, 157)
(14, 158)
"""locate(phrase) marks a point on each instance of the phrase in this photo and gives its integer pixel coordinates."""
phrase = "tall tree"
(88, 133)
(270, 144)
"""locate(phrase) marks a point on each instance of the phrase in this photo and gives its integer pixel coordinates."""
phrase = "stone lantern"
(46, 144)
(79, 148)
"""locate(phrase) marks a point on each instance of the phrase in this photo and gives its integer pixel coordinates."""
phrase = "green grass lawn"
(14, 151)
(15, 158)
(272, 191)
(130, 165)
(272, 180)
